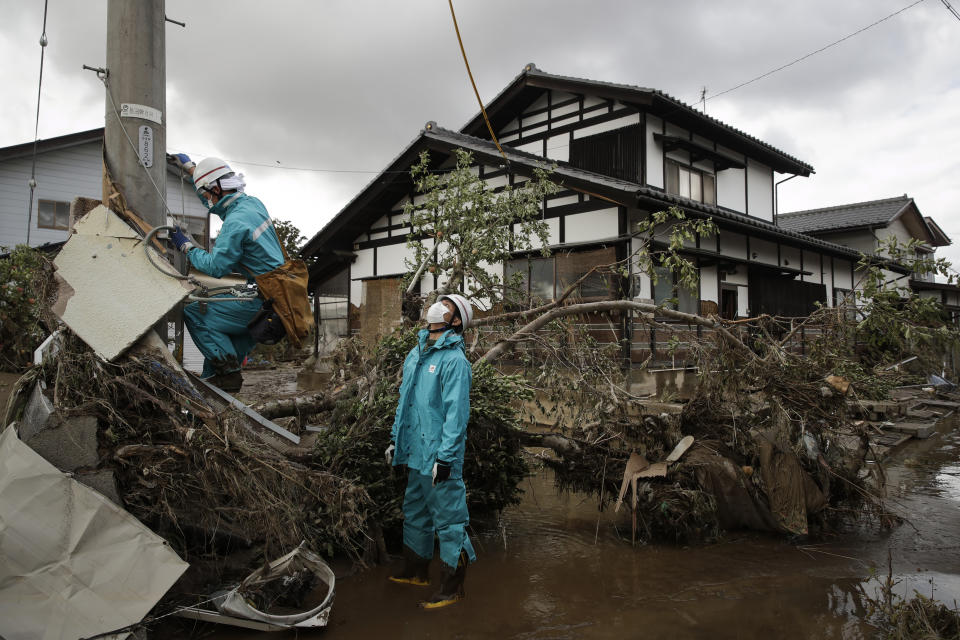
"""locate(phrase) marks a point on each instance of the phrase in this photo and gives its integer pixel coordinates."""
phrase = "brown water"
(550, 570)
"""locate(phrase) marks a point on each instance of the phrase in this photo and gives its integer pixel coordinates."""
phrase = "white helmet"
(463, 305)
(208, 171)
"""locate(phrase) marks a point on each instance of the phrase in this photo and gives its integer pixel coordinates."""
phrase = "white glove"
(433, 473)
(388, 454)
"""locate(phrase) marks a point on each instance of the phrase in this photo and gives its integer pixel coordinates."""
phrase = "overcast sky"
(345, 84)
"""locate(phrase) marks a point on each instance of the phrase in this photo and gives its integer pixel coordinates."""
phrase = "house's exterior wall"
(654, 153)
(759, 190)
(733, 244)
(862, 241)
(710, 284)
(549, 125)
(896, 229)
(790, 256)
(732, 184)
(62, 175)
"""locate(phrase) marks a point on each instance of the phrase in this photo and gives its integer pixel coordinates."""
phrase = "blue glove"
(185, 161)
(181, 240)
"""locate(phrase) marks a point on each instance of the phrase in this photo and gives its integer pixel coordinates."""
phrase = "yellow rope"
(476, 93)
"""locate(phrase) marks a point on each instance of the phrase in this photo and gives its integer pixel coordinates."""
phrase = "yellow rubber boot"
(451, 585)
(415, 571)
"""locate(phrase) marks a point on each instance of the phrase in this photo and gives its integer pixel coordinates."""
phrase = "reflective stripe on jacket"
(434, 408)
(246, 239)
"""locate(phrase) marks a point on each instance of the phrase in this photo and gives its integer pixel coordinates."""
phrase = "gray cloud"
(346, 84)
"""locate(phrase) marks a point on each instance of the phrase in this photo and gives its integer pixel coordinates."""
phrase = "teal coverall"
(247, 243)
(431, 426)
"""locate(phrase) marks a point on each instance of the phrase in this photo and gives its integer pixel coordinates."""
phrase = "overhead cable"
(951, 9)
(474, 84)
(821, 49)
(36, 126)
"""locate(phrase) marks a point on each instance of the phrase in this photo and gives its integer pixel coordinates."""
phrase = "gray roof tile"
(847, 216)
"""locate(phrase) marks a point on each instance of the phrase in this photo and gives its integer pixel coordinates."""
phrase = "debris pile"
(781, 443)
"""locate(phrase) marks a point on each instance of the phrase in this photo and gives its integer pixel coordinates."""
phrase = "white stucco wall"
(709, 283)
(733, 244)
(759, 190)
(766, 251)
(390, 259)
(610, 125)
(654, 153)
(811, 262)
(592, 225)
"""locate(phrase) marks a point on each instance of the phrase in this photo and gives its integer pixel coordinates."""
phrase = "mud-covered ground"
(554, 567)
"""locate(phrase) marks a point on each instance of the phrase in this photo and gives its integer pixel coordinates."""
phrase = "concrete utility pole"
(136, 63)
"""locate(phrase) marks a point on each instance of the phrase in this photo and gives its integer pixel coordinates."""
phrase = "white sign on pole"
(142, 111)
(146, 146)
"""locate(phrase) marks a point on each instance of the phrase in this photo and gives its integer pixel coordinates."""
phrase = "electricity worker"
(247, 244)
(429, 436)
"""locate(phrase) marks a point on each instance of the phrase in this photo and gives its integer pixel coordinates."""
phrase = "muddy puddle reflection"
(550, 570)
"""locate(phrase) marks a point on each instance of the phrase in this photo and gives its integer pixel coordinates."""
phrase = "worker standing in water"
(429, 436)
(247, 244)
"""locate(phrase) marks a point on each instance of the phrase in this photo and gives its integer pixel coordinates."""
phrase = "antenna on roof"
(703, 98)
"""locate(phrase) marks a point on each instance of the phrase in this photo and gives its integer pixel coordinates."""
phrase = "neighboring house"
(70, 166)
(864, 226)
(67, 167)
(621, 152)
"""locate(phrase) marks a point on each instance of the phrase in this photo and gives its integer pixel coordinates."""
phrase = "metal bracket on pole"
(101, 72)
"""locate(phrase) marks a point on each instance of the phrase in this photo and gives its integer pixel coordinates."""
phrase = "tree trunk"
(505, 345)
(294, 406)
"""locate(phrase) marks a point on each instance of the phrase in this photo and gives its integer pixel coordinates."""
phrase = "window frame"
(510, 267)
(691, 171)
(57, 205)
(676, 289)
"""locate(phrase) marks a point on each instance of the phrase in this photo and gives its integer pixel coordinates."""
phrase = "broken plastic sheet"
(236, 604)
(110, 294)
(74, 564)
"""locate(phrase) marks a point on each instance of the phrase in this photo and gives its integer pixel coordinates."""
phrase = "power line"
(277, 165)
(824, 48)
(951, 9)
(474, 84)
(36, 127)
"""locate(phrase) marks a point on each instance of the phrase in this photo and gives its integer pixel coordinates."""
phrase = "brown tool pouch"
(284, 291)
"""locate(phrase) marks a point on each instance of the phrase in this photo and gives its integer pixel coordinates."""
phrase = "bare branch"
(503, 346)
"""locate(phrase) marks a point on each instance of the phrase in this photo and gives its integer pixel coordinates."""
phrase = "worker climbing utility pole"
(135, 135)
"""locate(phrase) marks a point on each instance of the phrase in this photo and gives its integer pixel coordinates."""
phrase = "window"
(543, 279)
(613, 153)
(334, 318)
(53, 215)
(668, 292)
(845, 297)
(691, 183)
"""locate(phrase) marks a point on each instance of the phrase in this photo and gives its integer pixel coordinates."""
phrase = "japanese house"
(865, 226)
(620, 152)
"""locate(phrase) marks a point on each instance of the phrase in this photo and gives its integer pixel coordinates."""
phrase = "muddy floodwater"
(556, 568)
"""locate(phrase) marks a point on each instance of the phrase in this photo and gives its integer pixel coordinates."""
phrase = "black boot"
(451, 585)
(416, 570)
(229, 382)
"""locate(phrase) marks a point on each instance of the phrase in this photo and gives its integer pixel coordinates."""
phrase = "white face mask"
(436, 312)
